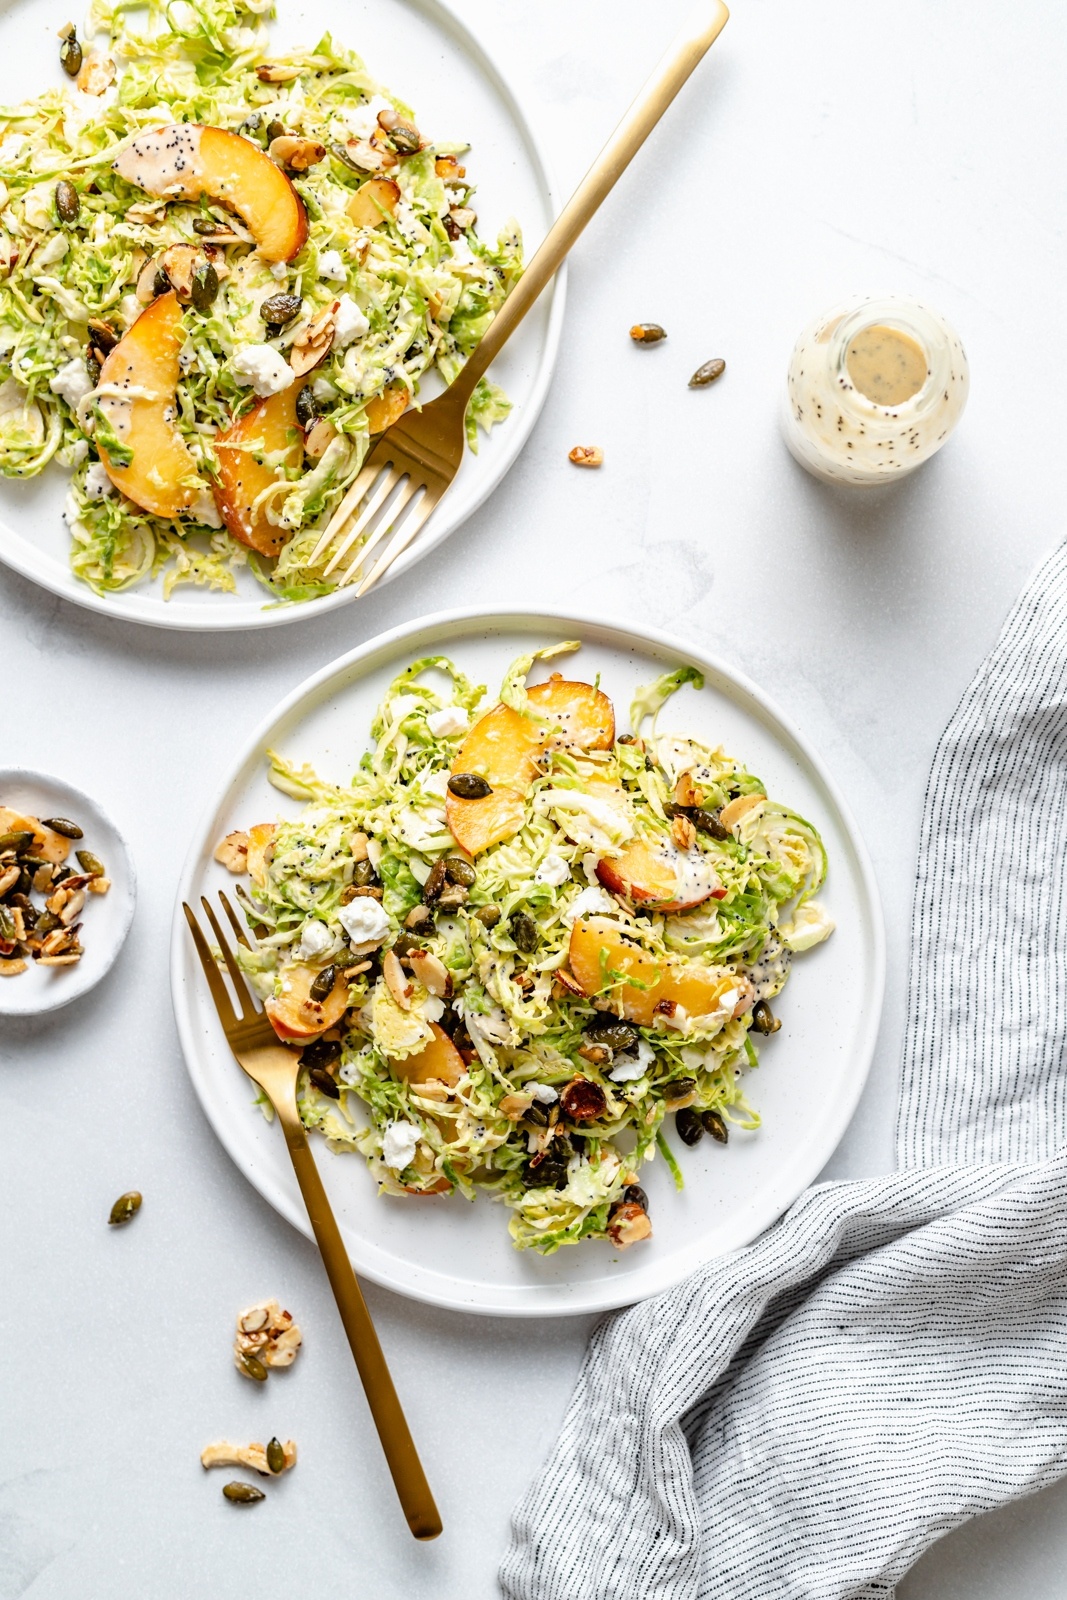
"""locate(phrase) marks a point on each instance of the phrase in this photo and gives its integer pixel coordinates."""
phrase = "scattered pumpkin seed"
(488, 916)
(68, 205)
(715, 1125)
(46, 922)
(690, 1128)
(324, 1083)
(204, 289)
(305, 407)
(707, 373)
(405, 139)
(469, 786)
(127, 1205)
(276, 1455)
(320, 1052)
(242, 1494)
(615, 1035)
(678, 1088)
(90, 863)
(364, 875)
(63, 825)
(764, 1019)
(647, 333)
(252, 1366)
(322, 987)
(104, 335)
(634, 1195)
(524, 931)
(19, 841)
(70, 55)
(459, 871)
(275, 130)
(279, 309)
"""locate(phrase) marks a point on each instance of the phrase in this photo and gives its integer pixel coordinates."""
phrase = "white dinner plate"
(427, 56)
(106, 918)
(444, 1249)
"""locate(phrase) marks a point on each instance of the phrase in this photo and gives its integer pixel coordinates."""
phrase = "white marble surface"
(822, 149)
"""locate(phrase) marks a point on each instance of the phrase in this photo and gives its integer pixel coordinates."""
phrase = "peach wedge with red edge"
(694, 988)
(186, 161)
(160, 475)
(585, 715)
(665, 877)
(270, 428)
(294, 1016)
(441, 1060)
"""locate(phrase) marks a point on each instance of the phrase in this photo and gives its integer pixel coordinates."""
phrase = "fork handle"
(416, 1498)
(703, 27)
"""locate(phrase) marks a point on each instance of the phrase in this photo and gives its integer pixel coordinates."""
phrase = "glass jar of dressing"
(874, 388)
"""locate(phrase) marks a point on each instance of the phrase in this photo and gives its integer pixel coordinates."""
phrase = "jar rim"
(906, 316)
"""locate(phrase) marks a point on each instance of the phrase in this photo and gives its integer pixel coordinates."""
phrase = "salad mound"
(221, 272)
(516, 941)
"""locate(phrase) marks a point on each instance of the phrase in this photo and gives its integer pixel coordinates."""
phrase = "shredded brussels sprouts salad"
(516, 941)
(221, 272)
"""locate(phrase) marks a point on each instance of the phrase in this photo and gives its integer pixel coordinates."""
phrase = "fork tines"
(249, 1011)
(385, 498)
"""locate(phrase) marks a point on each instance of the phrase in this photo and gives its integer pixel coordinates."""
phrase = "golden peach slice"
(693, 988)
(585, 715)
(500, 748)
(187, 161)
(293, 1014)
(477, 824)
(270, 428)
(137, 383)
(386, 408)
(665, 877)
(439, 1059)
(260, 844)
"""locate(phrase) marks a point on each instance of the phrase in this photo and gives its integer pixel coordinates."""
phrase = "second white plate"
(449, 1252)
(426, 55)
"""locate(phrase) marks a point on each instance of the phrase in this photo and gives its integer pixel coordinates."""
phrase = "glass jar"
(914, 378)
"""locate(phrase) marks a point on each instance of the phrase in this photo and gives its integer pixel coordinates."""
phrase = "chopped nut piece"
(97, 73)
(463, 217)
(431, 972)
(68, 960)
(273, 1343)
(683, 833)
(418, 916)
(397, 984)
(595, 1054)
(515, 1106)
(11, 969)
(98, 885)
(565, 981)
(686, 792)
(225, 1454)
(9, 876)
(586, 455)
(179, 262)
(276, 72)
(297, 154)
(627, 1224)
(582, 1100)
(311, 345)
(232, 852)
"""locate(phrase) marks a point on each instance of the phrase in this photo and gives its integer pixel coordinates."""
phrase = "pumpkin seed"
(690, 1128)
(488, 916)
(204, 289)
(275, 130)
(46, 922)
(243, 1494)
(320, 1052)
(405, 139)
(708, 822)
(364, 876)
(70, 55)
(324, 1083)
(19, 841)
(90, 863)
(548, 1174)
(764, 1019)
(459, 871)
(252, 1366)
(7, 925)
(126, 1206)
(276, 1456)
(305, 407)
(340, 154)
(715, 1125)
(707, 373)
(93, 366)
(647, 333)
(280, 309)
(634, 1195)
(537, 1115)
(615, 1035)
(63, 825)
(322, 987)
(104, 336)
(468, 786)
(68, 206)
(678, 1088)
(405, 943)
(431, 889)
(524, 931)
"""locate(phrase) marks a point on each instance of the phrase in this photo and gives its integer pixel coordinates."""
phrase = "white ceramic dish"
(454, 1254)
(107, 917)
(423, 52)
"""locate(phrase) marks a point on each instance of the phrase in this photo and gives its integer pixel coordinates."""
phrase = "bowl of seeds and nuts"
(67, 892)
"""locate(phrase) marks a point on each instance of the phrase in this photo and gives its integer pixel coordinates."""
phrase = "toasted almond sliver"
(732, 813)
(397, 984)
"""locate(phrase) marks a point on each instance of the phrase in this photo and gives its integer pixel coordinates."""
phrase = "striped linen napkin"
(801, 1419)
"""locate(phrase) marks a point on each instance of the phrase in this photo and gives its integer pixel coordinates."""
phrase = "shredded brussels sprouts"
(490, 1017)
(416, 286)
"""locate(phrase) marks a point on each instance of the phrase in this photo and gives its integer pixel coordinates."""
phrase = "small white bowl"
(107, 917)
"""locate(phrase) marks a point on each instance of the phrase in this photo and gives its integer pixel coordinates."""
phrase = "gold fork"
(274, 1068)
(415, 460)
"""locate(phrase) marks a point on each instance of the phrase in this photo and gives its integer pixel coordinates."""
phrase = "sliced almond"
(179, 262)
(296, 154)
(431, 972)
(68, 960)
(312, 344)
(98, 885)
(373, 202)
(72, 907)
(397, 984)
(146, 281)
(515, 1106)
(232, 852)
(11, 968)
(731, 814)
(686, 792)
(253, 1319)
(97, 73)
(9, 876)
(463, 217)
(225, 1454)
(320, 436)
(276, 72)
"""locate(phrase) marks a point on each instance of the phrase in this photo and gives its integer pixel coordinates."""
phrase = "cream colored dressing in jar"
(874, 389)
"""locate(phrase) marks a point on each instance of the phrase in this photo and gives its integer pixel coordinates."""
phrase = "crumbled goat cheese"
(72, 382)
(332, 267)
(262, 367)
(398, 1144)
(633, 1064)
(315, 940)
(590, 903)
(448, 721)
(349, 323)
(97, 483)
(553, 871)
(365, 923)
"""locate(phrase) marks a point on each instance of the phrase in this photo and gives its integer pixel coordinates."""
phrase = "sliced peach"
(439, 1059)
(294, 1015)
(500, 747)
(373, 201)
(260, 841)
(185, 161)
(47, 844)
(160, 475)
(584, 714)
(663, 876)
(386, 408)
(694, 988)
(477, 824)
(270, 428)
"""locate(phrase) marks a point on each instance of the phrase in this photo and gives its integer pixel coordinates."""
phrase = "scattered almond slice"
(267, 1333)
(225, 1454)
